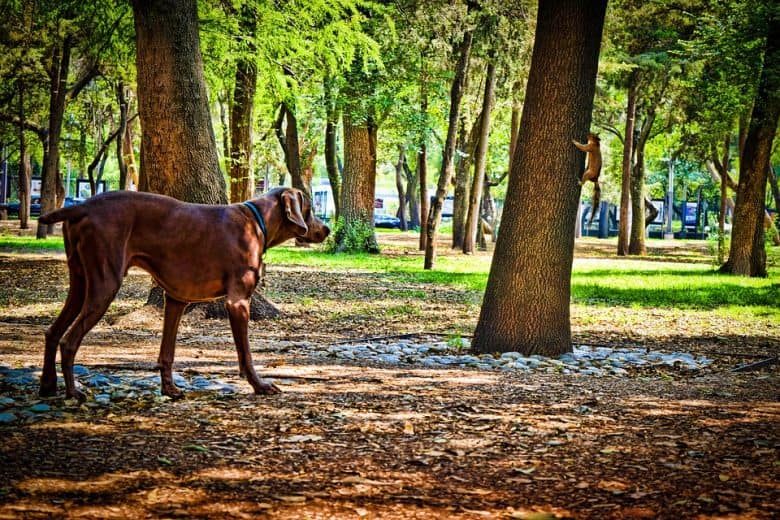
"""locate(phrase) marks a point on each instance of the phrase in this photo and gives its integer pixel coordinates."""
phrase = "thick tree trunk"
(526, 302)
(448, 154)
(422, 159)
(241, 178)
(473, 219)
(747, 256)
(357, 190)
(178, 150)
(331, 151)
(58, 92)
(628, 153)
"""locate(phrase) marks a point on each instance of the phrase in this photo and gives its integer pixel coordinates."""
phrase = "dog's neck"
(260, 222)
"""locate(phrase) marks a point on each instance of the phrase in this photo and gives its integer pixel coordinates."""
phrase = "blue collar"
(260, 222)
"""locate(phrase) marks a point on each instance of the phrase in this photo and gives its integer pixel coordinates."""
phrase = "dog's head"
(297, 216)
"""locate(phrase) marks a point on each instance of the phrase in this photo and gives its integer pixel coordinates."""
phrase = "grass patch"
(599, 282)
(27, 243)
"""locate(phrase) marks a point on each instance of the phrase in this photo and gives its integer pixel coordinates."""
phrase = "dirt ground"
(354, 441)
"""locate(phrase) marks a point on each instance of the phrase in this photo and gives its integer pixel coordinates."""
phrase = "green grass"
(25, 243)
(599, 282)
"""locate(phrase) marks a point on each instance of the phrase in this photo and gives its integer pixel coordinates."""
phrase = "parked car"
(386, 221)
(35, 206)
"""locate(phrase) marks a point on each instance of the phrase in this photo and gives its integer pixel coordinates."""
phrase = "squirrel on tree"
(592, 148)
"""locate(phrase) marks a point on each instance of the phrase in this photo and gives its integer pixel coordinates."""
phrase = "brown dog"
(195, 252)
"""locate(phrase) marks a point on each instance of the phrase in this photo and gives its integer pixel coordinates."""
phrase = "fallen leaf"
(301, 438)
(408, 428)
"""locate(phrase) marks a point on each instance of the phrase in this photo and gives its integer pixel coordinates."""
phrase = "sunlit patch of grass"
(29, 243)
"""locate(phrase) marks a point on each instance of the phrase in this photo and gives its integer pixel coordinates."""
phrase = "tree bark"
(448, 154)
(473, 218)
(357, 190)
(128, 155)
(636, 244)
(241, 178)
(331, 151)
(460, 203)
(25, 169)
(422, 158)
(411, 195)
(526, 302)
(58, 91)
(120, 156)
(399, 186)
(178, 151)
(747, 256)
(628, 153)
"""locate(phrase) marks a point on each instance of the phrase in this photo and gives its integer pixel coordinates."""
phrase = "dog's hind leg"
(102, 284)
(73, 305)
(173, 311)
(71, 309)
(238, 312)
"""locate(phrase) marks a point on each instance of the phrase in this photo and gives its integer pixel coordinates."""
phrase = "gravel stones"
(584, 360)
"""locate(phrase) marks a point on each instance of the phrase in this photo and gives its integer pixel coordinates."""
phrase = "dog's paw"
(172, 391)
(264, 388)
(76, 394)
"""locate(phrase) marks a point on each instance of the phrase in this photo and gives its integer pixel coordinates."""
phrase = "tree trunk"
(357, 191)
(399, 186)
(448, 154)
(460, 201)
(636, 245)
(331, 151)
(772, 176)
(128, 155)
(58, 91)
(178, 150)
(120, 142)
(747, 256)
(526, 302)
(25, 169)
(291, 146)
(241, 178)
(422, 158)
(473, 219)
(411, 195)
(628, 153)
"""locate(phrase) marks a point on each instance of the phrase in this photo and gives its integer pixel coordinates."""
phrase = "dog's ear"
(292, 206)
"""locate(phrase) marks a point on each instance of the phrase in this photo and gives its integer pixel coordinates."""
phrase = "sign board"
(660, 218)
(690, 213)
(83, 191)
(35, 187)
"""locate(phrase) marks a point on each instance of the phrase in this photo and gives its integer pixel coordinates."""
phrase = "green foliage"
(354, 236)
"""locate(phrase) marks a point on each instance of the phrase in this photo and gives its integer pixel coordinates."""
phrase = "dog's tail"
(596, 200)
(70, 213)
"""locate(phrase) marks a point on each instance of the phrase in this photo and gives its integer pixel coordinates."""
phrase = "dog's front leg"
(238, 312)
(173, 311)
